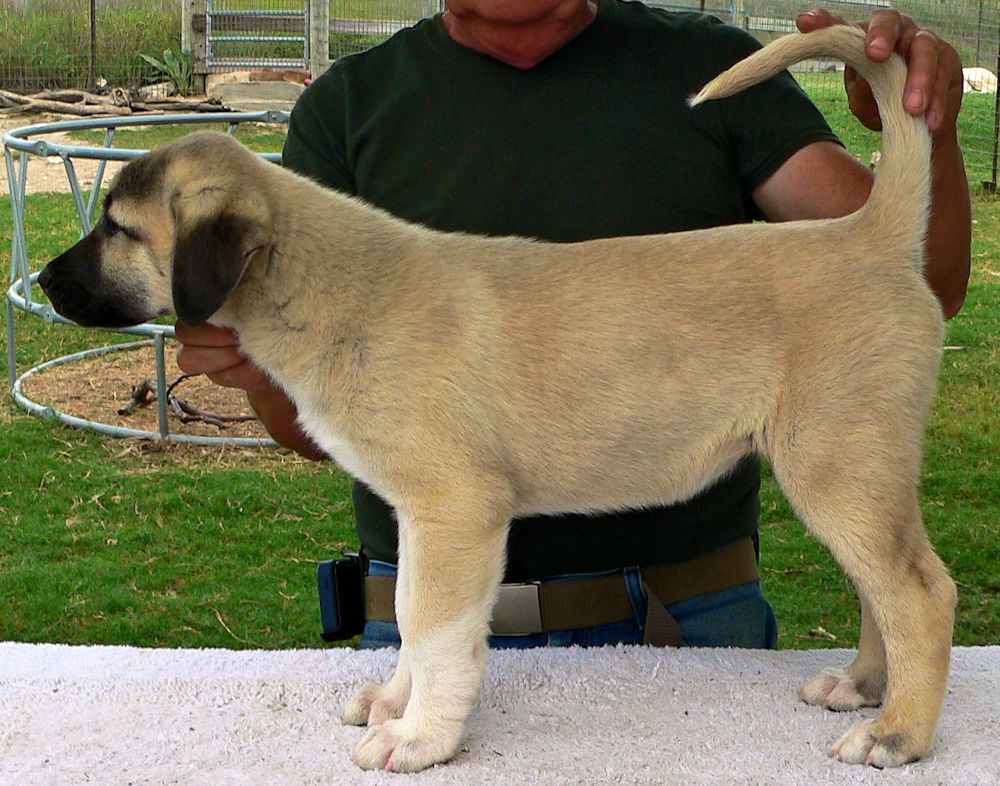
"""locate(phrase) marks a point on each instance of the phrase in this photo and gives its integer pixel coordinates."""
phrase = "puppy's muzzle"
(73, 284)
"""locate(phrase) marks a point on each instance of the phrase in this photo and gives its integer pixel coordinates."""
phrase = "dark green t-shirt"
(595, 141)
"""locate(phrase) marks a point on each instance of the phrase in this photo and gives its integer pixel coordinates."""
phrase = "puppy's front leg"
(862, 684)
(451, 563)
(374, 704)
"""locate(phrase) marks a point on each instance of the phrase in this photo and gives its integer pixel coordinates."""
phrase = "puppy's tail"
(899, 204)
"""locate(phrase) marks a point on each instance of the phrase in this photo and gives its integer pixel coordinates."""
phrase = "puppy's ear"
(209, 261)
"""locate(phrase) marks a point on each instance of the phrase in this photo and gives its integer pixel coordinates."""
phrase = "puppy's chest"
(316, 422)
(295, 372)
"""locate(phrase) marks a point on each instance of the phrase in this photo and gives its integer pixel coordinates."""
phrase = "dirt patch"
(98, 388)
(47, 175)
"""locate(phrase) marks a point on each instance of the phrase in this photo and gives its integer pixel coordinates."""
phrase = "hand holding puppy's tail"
(899, 204)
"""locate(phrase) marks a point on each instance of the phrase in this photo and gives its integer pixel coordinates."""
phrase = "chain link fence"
(82, 43)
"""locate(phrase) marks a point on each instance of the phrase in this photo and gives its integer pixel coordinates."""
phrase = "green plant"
(177, 67)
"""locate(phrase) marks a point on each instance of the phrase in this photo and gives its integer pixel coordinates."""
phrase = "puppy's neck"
(305, 307)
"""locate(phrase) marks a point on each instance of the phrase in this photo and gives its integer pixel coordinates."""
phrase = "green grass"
(975, 124)
(260, 137)
(46, 44)
(139, 549)
(101, 542)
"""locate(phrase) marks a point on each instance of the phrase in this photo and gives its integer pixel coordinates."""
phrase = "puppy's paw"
(835, 689)
(374, 704)
(397, 746)
(864, 743)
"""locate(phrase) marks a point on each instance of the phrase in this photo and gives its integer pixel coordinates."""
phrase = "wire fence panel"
(356, 25)
(261, 34)
(75, 43)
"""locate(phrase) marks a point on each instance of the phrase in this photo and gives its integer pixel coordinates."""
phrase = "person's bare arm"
(215, 352)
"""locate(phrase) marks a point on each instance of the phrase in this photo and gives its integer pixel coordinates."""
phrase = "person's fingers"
(225, 366)
(816, 19)
(215, 352)
(205, 335)
(921, 53)
(861, 100)
(244, 375)
(946, 103)
(883, 31)
(194, 359)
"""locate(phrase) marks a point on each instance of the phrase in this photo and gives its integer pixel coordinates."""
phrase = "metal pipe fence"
(19, 147)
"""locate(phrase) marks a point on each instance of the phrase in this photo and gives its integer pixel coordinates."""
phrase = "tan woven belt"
(546, 606)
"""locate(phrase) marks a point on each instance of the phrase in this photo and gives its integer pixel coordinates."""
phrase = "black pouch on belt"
(341, 597)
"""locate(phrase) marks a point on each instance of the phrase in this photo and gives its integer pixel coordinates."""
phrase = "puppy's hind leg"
(854, 484)
(452, 559)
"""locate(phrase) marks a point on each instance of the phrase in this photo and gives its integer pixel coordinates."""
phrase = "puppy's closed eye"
(110, 227)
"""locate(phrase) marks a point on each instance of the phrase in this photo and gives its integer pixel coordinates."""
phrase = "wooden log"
(81, 110)
(84, 104)
(12, 99)
(65, 96)
(180, 106)
(72, 97)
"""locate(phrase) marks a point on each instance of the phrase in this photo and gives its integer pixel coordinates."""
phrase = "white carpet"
(115, 715)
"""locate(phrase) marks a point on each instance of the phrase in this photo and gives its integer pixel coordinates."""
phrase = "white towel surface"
(119, 715)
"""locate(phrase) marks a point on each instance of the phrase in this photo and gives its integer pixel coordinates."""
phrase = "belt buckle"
(518, 610)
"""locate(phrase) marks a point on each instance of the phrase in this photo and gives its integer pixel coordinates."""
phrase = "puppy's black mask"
(74, 284)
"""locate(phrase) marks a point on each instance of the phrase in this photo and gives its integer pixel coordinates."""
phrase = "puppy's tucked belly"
(627, 483)
(554, 478)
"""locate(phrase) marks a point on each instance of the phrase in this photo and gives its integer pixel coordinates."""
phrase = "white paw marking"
(398, 746)
(373, 705)
(860, 745)
(835, 689)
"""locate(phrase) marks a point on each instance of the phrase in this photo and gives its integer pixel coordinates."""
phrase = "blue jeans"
(736, 617)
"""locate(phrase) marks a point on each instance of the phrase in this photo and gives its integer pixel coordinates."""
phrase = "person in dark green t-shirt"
(566, 120)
